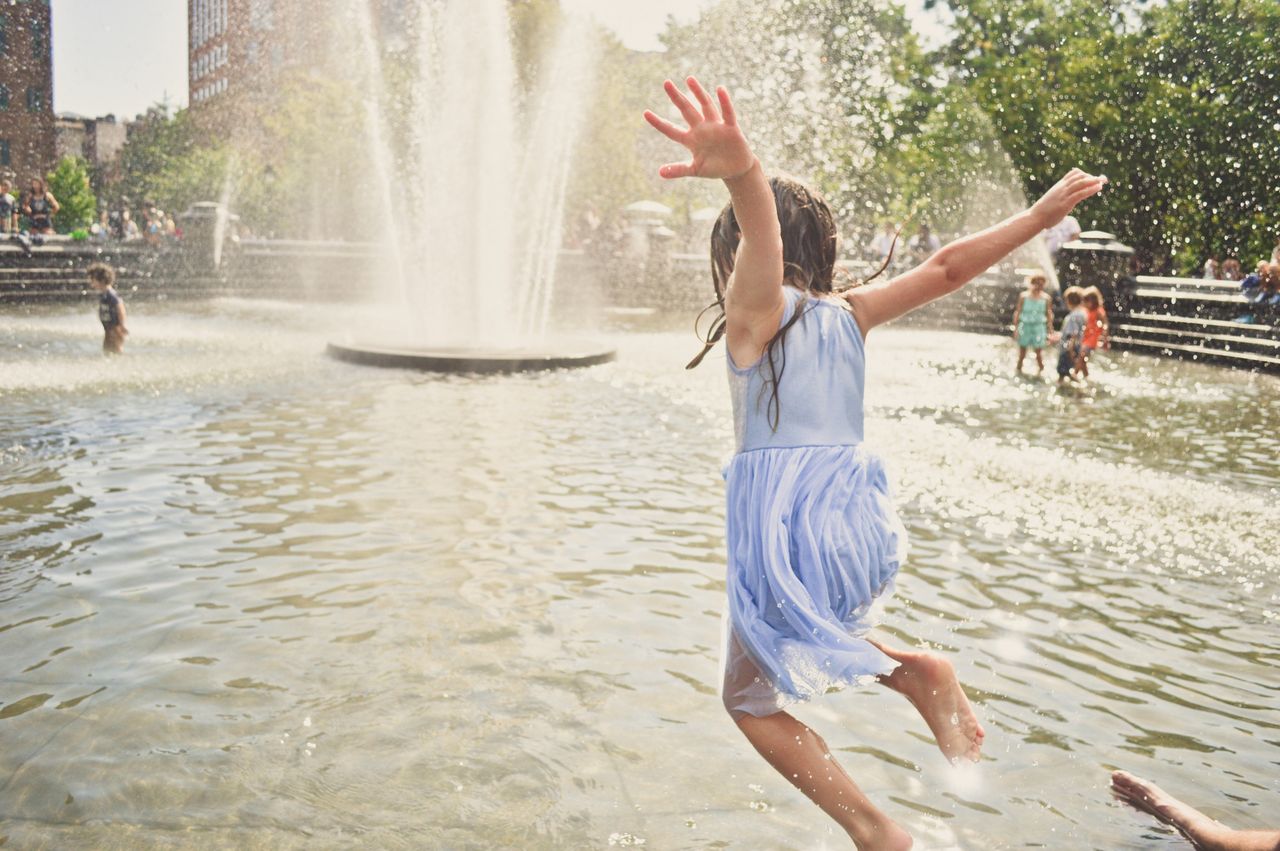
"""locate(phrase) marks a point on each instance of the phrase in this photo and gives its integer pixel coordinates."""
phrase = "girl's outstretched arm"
(754, 301)
(959, 262)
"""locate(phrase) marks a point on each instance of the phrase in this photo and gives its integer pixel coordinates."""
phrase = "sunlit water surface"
(253, 597)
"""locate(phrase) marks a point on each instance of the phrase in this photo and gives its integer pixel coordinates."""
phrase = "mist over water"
(473, 194)
(255, 597)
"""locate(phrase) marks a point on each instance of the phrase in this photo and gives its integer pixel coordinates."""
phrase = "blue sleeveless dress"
(813, 540)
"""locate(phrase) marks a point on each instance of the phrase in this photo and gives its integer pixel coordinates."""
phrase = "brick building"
(241, 50)
(27, 146)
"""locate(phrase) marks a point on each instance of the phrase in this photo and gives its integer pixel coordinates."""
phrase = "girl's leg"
(801, 756)
(929, 682)
(1022, 354)
(1039, 361)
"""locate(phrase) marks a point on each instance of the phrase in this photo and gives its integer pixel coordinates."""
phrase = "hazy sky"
(637, 22)
(121, 56)
(118, 56)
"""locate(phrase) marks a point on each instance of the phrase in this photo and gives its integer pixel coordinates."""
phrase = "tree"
(169, 162)
(77, 206)
(1176, 103)
(816, 81)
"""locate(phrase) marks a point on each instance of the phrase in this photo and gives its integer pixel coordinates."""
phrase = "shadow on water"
(254, 597)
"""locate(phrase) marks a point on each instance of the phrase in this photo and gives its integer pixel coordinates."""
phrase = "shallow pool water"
(252, 597)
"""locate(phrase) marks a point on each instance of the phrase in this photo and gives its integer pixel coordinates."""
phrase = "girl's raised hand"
(1055, 204)
(713, 137)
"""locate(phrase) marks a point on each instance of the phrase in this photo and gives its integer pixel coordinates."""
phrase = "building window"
(4, 98)
(260, 14)
(4, 152)
(39, 40)
(35, 99)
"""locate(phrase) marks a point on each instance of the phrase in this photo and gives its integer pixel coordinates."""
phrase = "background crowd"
(28, 217)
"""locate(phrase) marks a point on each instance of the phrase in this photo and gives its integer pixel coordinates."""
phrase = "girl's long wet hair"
(810, 244)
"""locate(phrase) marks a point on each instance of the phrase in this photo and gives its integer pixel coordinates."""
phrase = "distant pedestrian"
(1060, 234)
(1069, 339)
(8, 208)
(1097, 333)
(1210, 271)
(1231, 270)
(110, 308)
(882, 246)
(118, 219)
(40, 207)
(1032, 319)
(1251, 288)
(922, 246)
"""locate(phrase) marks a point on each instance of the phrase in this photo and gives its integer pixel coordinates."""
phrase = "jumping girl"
(813, 538)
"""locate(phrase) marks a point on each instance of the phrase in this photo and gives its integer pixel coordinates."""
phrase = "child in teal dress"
(1032, 319)
(813, 540)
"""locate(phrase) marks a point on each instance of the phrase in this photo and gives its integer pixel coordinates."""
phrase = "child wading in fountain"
(1032, 319)
(1071, 335)
(1096, 330)
(110, 307)
(813, 538)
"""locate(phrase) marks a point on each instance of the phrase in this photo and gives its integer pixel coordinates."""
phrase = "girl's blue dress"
(813, 538)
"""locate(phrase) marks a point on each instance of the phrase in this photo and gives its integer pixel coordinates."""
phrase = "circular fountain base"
(482, 361)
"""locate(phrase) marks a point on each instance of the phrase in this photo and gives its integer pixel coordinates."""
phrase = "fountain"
(473, 236)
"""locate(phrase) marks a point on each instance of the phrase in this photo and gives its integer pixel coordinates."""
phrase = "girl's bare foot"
(930, 683)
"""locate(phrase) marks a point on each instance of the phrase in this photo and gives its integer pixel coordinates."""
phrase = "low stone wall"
(55, 271)
(1196, 319)
(1177, 317)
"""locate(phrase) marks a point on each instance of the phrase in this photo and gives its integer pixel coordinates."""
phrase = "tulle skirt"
(814, 545)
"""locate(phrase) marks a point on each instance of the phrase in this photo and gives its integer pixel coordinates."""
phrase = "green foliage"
(69, 183)
(533, 27)
(169, 161)
(610, 169)
(816, 82)
(305, 170)
(290, 171)
(1176, 104)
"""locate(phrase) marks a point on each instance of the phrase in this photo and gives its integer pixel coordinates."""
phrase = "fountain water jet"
(474, 231)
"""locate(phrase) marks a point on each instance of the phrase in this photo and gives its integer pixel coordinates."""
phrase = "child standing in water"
(1069, 339)
(1032, 319)
(813, 539)
(110, 307)
(1096, 330)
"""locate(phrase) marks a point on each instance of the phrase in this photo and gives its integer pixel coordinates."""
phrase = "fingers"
(708, 108)
(1087, 186)
(673, 170)
(687, 109)
(726, 106)
(666, 128)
